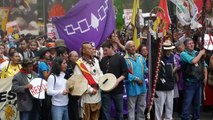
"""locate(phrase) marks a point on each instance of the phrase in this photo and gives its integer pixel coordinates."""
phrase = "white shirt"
(55, 88)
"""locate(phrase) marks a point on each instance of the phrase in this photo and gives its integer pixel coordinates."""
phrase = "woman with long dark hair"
(56, 87)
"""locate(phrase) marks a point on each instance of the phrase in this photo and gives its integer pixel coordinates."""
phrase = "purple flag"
(88, 20)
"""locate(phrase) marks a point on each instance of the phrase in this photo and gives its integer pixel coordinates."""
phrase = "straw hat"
(167, 45)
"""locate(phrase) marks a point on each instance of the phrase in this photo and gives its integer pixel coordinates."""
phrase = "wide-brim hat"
(42, 51)
(27, 61)
(167, 45)
(59, 43)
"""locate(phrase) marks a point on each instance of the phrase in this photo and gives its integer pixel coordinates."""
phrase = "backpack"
(192, 71)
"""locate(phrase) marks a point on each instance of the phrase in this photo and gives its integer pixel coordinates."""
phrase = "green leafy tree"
(119, 8)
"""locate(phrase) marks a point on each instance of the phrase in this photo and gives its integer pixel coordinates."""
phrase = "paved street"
(204, 116)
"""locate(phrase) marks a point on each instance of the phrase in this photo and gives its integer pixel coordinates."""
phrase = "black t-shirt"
(116, 65)
(69, 71)
(165, 75)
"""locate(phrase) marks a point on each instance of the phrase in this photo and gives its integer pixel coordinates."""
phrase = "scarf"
(24, 71)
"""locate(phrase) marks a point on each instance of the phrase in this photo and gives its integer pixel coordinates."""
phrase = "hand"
(117, 82)
(202, 52)
(140, 82)
(71, 88)
(94, 91)
(117, 40)
(29, 86)
(65, 92)
(39, 45)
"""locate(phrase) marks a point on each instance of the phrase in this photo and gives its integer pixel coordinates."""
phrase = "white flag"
(186, 11)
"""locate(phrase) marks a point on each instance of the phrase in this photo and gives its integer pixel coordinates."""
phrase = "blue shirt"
(43, 66)
(187, 57)
(138, 67)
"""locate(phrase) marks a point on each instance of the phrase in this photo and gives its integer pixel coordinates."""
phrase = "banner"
(128, 16)
(4, 12)
(12, 27)
(208, 42)
(186, 11)
(8, 109)
(88, 20)
(51, 31)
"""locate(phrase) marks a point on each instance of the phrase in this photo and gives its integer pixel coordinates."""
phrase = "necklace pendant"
(93, 71)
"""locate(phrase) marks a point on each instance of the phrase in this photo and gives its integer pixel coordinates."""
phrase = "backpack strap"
(54, 81)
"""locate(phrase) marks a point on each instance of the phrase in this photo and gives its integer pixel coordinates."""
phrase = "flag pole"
(151, 89)
(203, 15)
(149, 66)
(202, 19)
(155, 76)
(45, 5)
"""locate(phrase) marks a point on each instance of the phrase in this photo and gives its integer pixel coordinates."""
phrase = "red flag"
(165, 17)
(199, 4)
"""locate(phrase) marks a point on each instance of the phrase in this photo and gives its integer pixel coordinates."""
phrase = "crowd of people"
(183, 82)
